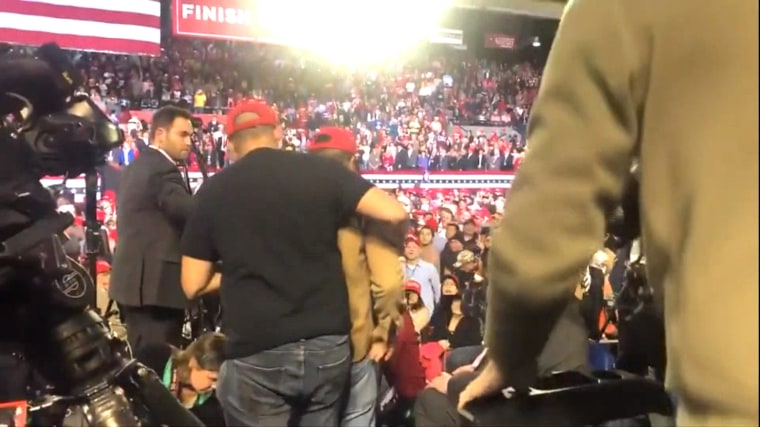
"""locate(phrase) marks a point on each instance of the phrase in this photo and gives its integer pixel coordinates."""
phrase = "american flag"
(118, 26)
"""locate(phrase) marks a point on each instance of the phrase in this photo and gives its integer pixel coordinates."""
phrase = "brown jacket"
(674, 83)
(375, 287)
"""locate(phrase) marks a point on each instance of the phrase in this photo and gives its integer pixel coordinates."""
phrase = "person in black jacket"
(190, 374)
(450, 326)
(153, 203)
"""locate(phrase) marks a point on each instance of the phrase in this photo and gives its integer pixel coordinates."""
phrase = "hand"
(444, 344)
(489, 381)
(440, 383)
(463, 370)
(379, 352)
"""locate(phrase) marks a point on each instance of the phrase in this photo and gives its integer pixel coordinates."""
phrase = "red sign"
(225, 20)
(499, 41)
(13, 413)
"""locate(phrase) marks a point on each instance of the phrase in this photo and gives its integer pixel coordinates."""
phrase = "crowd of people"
(444, 277)
(414, 114)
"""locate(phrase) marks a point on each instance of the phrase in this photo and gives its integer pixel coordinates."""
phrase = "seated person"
(414, 305)
(191, 373)
(566, 350)
(449, 326)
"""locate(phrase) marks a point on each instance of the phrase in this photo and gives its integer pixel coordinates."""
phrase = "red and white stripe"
(119, 26)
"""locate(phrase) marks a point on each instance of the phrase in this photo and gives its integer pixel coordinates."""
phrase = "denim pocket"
(333, 372)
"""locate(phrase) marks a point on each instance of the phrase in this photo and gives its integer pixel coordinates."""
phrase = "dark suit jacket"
(153, 204)
(675, 84)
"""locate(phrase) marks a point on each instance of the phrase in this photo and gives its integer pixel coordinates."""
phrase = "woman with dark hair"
(450, 327)
(190, 374)
(415, 306)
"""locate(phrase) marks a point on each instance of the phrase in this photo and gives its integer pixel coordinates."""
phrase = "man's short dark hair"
(164, 117)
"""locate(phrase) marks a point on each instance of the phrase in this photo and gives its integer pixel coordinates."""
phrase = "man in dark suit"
(154, 202)
(660, 82)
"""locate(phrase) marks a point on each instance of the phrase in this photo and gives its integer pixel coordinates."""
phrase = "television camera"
(77, 365)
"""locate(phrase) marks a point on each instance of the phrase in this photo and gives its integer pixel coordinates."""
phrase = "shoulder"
(151, 161)
(427, 265)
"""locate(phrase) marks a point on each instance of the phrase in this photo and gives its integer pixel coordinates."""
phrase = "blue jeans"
(361, 406)
(297, 384)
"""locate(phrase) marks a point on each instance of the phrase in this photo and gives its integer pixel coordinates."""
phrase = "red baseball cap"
(334, 138)
(103, 266)
(413, 286)
(411, 238)
(266, 116)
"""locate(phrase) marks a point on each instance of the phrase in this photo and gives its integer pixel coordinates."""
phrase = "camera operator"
(190, 374)
(622, 81)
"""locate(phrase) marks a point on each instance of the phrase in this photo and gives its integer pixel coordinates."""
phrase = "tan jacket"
(674, 83)
(375, 287)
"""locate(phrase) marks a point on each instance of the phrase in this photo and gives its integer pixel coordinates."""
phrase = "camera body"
(69, 349)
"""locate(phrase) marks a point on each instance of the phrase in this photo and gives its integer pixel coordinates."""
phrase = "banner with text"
(242, 20)
(507, 132)
(499, 41)
(447, 36)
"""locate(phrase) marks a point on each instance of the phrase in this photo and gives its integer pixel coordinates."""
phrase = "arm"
(377, 204)
(386, 281)
(421, 319)
(172, 196)
(198, 250)
(357, 195)
(435, 284)
(582, 134)
(197, 277)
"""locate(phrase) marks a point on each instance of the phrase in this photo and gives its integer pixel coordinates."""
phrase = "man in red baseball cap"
(374, 277)
(250, 125)
(272, 219)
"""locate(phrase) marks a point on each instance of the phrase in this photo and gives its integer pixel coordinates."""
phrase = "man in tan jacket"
(673, 84)
(375, 287)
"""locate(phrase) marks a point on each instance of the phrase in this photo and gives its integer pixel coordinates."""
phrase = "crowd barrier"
(406, 180)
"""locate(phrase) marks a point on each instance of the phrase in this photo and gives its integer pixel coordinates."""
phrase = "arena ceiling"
(538, 8)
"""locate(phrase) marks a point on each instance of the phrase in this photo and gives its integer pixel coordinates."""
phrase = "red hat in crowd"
(334, 138)
(109, 195)
(432, 224)
(266, 116)
(413, 239)
(413, 286)
(103, 266)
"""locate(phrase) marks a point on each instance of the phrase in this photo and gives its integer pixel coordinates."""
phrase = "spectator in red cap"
(272, 219)
(102, 280)
(415, 306)
(374, 278)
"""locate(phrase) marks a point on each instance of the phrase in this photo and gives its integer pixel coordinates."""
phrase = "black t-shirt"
(272, 219)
